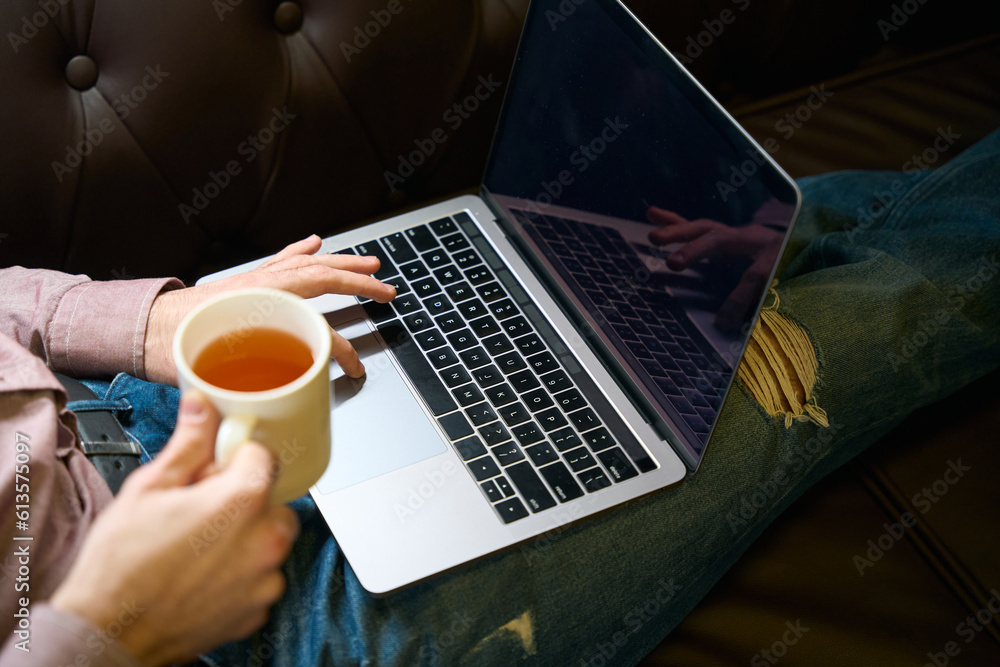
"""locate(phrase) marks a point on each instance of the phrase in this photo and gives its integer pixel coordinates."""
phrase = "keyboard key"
(386, 268)
(562, 482)
(472, 309)
(530, 345)
(584, 420)
(481, 414)
(414, 270)
(454, 243)
(517, 326)
(483, 468)
(407, 303)
(443, 226)
(524, 381)
(455, 376)
(594, 480)
(507, 453)
(551, 419)
(498, 344)
(462, 339)
(455, 425)
(537, 400)
(494, 434)
(616, 463)
(511, 510)
(491, 292)
(579, 459)
(446, 275)
(542, 454)
(467, 259)
(417, 321)
(487, 376)
(470, 448)
(491, 491)
(423, 377)
(570, 400)
(398, 248)
(467, 395)
(484, 326)
(514, 414)
(429, 339)
(425, 287)
(527, 433)
(443, 358)
(449, 322)
(505, 488)
(557, 381)
(421, 238)
(460, 292)
(500, 395)
(510, 363)
(565, 439)
(543, 363)
(475, 358)
(599, 439)
(437, 304)
(504, 309)
(478, 275)
(436, 258)
(530, 485)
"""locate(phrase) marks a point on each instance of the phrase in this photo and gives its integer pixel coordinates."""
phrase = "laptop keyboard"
(648, 323)
(461, 328)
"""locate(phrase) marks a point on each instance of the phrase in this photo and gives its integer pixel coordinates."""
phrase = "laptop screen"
(650, 213)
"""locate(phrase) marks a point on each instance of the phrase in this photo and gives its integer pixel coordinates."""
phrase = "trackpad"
(378, 424)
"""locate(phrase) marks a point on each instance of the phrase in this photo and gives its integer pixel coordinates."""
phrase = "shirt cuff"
(61, 638)
(99, 328)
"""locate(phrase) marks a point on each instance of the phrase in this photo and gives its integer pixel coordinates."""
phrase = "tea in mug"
(256, 361)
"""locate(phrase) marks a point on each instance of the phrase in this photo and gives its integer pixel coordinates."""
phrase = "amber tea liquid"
(260, 360)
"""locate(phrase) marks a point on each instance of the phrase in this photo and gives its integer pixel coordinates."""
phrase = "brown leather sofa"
(145, 139)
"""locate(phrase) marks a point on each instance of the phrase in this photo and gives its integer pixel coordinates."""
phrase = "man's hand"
(296, 269)
(192, 553)
(705, 238)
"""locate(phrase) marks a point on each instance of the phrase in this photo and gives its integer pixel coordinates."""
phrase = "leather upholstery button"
(288, 17)
(81, 72)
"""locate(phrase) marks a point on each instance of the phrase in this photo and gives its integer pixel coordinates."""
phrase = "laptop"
(550, 353)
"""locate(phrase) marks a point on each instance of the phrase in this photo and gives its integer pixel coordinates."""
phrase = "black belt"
(104, 440)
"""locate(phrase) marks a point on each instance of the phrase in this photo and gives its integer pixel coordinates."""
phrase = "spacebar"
(423, 377)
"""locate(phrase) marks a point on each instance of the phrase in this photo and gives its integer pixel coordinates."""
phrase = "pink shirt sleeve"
(80, 327)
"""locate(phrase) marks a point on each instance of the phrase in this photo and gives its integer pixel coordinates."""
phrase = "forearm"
(55, 637)
(78, 326)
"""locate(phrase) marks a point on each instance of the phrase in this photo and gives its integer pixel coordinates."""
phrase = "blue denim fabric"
(903, 307)
(151, 412)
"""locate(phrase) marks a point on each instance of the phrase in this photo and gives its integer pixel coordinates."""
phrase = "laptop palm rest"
(377, 425)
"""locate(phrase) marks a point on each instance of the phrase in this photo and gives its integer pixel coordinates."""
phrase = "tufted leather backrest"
(138, 136)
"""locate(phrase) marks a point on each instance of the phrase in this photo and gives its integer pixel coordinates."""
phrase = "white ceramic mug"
(292, 420)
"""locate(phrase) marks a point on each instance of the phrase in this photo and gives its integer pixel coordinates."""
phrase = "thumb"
(252, 471)
(192, 445)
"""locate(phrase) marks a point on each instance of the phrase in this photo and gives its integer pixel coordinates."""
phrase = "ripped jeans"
(892, 277)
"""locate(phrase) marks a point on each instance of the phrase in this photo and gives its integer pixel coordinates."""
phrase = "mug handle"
(233, 432)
